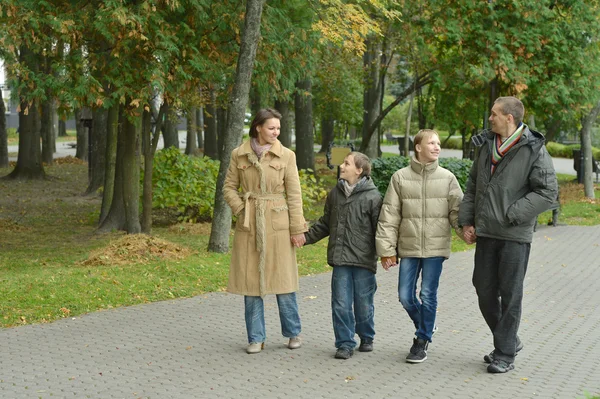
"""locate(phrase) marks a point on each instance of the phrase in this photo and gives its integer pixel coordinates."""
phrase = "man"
(512, 181)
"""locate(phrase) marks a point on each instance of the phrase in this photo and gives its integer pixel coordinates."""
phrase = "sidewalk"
(195, 348)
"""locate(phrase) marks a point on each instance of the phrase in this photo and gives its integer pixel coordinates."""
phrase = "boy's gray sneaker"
(418, 351)
(344, 353)
(500, 366)
(490, 358)
(366, 345)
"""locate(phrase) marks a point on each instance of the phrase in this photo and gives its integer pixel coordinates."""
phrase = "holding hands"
(388, 261)
(469, 234)
(298, 240)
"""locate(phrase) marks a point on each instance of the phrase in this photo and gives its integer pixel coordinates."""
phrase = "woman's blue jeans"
(255, 317)
(352, 287)
(422, 313)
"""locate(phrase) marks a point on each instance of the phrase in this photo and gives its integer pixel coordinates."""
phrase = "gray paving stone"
(195, 348)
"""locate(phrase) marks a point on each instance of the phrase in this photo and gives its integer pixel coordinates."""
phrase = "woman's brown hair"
(261, 117)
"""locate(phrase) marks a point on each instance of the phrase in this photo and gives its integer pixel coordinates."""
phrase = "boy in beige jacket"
(419, 209)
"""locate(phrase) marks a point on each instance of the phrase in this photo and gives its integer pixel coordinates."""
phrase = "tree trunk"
(211, 148)
(552, 129)
(421, 110)
(406, 149)
(29, 161)
(372, 95)
(54, 124)
(327, 132)
(46, 133)
(421, 81)
(149, 144)
(191, 142)
(200, 126)
(112, 132)
(62, 128)
(286, 123)
(221, 126)
(170, 133)
(98, 162)
(124, 210)
(255, 100)
(221, 225)
(305, 138)
(586, 149)
(82, 137)
(3, 135)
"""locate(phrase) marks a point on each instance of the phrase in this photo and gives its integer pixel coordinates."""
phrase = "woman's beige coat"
(265, 195)
(419, 208)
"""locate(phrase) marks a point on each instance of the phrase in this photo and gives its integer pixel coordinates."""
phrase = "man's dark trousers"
(500, 268)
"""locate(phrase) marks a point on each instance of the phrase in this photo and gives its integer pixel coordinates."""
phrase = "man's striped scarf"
(501, 148)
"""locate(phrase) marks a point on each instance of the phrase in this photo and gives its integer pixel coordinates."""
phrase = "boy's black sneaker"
(418, 351)
(365, 345)
(344, 353)
(500, 366)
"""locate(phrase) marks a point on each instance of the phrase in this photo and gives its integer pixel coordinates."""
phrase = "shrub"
(184, 183)
(453, 143)
(566, 151)
(313, 192)
(384, 168)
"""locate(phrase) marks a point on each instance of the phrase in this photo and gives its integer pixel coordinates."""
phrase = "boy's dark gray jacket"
(350, 222)
(505, 204)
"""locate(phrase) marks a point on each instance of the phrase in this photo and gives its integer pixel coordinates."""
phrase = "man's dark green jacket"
(351, 223)
(505, 204)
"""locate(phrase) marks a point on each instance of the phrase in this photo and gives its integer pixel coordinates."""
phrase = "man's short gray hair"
(512, 106)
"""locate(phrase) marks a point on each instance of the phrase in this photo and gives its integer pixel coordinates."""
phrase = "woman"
(419, 209)
(262, 187)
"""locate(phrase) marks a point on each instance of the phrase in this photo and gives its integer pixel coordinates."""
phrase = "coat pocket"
(280, 218)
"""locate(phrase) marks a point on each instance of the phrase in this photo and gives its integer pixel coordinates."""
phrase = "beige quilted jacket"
(419, 209)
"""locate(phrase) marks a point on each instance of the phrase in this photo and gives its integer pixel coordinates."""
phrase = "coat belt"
(258, 198)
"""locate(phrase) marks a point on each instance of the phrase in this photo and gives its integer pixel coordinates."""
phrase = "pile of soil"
(135, 248)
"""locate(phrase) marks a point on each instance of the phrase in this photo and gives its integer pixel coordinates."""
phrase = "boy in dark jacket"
(350, 220)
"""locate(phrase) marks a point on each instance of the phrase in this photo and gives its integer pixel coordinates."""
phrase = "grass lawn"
(47, 232)
(13, 137)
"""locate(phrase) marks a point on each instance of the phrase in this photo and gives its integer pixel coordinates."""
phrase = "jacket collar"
(423, 168)
(276, 149)
(529, 137)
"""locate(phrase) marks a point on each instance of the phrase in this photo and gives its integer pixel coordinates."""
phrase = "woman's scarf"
(501, 148)
(259, 149)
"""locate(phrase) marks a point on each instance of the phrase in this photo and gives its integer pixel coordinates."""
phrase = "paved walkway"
(195, 348)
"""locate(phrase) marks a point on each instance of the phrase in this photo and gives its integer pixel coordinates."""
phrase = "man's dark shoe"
(500, 366)
(418, 351)
(365, 345)
(490, 358)
(344, 353)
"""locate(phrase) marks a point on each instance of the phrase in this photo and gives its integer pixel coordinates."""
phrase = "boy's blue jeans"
(352, 287)
(255, 317)
(422, 313)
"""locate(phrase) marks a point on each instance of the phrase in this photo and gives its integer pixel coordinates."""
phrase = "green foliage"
(459, 167)
(313, 192)
(184, 183)
(384, 168)
(566, 151)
